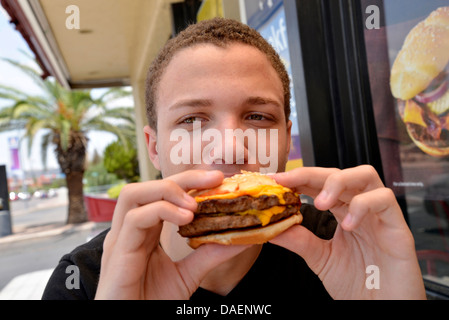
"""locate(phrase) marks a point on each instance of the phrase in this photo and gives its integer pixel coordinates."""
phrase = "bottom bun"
(248, 236)
(433, 151)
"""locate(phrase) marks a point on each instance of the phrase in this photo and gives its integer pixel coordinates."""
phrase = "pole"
(5, 214)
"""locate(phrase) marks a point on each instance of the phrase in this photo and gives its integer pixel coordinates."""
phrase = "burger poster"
(408, 57)
(420, 81)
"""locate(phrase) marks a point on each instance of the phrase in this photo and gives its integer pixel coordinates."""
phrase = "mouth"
(229, 174)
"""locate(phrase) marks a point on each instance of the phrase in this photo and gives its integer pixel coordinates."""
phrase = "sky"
(11, 45)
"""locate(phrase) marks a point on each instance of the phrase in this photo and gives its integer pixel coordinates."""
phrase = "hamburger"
(419, 80)
(247, 208)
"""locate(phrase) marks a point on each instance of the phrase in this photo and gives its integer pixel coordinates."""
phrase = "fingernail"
(347, 221)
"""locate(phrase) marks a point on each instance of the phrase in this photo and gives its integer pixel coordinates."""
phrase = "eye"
(191, 119)
(256, 116)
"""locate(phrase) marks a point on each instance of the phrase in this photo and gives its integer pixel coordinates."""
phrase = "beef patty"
(244, 203)
(211, 223)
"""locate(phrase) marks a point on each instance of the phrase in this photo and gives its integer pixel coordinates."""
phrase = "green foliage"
(97, 175)
(114, 191)
(122, 160)
(65, 117)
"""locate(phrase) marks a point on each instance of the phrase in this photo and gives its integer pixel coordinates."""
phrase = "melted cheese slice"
(264, 215)
(413, 114)
(255, 192)
(247, 183)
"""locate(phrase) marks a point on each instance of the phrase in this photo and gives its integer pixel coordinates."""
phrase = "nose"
(231, 141)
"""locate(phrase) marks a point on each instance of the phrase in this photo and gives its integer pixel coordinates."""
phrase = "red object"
(99, 209)
(434, 95)
(430, 257)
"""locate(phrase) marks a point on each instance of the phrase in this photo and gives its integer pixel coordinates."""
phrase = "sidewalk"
(30, 286)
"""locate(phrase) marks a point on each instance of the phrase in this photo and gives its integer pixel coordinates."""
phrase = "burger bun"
(247, 236)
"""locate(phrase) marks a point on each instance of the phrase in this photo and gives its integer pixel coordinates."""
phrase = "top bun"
(238, 183)
(424, 54)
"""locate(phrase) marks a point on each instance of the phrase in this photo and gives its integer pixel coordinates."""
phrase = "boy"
(223, 75)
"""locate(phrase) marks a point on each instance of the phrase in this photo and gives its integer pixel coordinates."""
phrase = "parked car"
(13, 196)
(24, 195)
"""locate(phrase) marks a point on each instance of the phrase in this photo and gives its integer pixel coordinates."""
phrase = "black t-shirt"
(276, 274)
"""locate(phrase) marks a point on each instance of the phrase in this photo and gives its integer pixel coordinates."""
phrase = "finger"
(171, 189)
(380, 202)
(198, 179)
(139, 194)
(303, 242)
(207, 257)
(343, 185)
(138, 221)
(305, 180)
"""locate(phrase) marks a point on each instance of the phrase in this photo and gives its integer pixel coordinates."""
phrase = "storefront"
(339, 55)
(343, 58)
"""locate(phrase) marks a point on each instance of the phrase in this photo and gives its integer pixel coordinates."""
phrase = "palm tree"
(66, 116)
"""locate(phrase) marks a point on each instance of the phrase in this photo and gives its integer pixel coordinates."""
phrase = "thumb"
(303, 242)
(200, 262)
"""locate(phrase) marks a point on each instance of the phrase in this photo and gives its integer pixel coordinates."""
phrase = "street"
(25, 256)
(43, 252)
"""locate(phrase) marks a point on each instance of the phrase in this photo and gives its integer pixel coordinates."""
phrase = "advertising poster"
(408, 55)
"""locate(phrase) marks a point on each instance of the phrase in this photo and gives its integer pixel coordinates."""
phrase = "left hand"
(371, 231)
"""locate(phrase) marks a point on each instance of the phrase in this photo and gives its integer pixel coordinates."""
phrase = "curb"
(48, 232)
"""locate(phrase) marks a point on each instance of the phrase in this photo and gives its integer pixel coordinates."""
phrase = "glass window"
(407, 54)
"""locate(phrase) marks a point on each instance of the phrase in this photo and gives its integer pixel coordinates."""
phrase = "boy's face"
(223, 89)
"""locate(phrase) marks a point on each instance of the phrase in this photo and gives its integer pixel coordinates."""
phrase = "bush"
(114, 191)
(122, 161)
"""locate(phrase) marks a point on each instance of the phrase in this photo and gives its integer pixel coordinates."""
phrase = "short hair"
(217, 31)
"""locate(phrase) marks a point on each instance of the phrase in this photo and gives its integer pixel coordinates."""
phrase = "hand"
(134, 266)
(371, 231)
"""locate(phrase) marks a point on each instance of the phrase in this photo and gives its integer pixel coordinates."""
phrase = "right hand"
(133, 265)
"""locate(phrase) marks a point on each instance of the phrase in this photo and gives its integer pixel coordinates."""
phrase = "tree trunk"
(72, 161)
(77, 211)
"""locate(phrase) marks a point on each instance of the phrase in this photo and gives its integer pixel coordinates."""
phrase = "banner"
(13, 143)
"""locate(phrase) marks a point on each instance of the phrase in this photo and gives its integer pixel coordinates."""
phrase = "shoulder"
(76, 275)
(321, 223)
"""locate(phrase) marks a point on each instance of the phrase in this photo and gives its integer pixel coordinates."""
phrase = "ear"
(151, 140)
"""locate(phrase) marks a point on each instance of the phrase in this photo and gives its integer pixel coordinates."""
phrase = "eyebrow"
(261, 101)
(191, 103)
(254, 101)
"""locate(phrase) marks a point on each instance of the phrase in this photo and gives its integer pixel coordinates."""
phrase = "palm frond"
(112, 94)
(11, 93)
(64, 134)
(64, 112)
(32, 127)
(31, 72)
(45, 142)
(124, 113)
